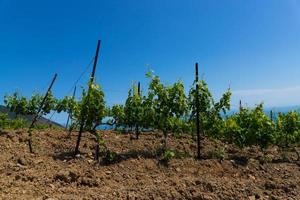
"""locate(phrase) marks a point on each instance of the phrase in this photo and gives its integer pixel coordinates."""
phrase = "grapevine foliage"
(168, 102)
(118, 114)
(16, 103)
(210, 111)
(23, 106)
(250, 127)
(288, 128)
(133, 108)
(168, 109)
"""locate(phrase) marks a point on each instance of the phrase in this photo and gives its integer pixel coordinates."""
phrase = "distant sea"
(275, 110)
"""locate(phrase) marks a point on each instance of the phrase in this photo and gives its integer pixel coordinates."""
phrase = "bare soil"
(224, 172)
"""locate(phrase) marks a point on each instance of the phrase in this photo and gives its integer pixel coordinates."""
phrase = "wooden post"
(136, 125)
(240, 105)
(97, 152)
(197, 114)
(271, 115)
(82, 123)
(95, 61)
(38, 113)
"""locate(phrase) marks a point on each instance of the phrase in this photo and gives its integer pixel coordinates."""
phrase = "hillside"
(29, 118)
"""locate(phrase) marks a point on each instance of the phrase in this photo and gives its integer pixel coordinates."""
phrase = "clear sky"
(252, 45)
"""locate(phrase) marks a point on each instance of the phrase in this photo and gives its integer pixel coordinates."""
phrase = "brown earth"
(225, 172)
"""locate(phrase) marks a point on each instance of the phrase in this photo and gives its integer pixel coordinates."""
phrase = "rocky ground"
(225, 172)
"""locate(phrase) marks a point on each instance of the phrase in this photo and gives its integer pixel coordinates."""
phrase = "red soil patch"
(51, 173)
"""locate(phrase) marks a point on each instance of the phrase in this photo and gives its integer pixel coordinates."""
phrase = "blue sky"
(252, 45)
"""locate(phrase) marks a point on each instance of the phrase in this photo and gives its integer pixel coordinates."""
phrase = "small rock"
(209, 186)
(22, 161)
(62, 175)
(286, 188)
(251, 198)
(157, 181)
(272, 197)
(257, 196)
(22, 139)
(197, 182)
(89, 182)
(10, 136)
(18, 132)
(108, 172)
(73, 176)
(78, 156)
(38, 161)
(207, 197)
(252, 177)
(18, 177)
(66, 176)
(270, 185)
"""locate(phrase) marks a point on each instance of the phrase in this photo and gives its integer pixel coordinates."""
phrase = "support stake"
(197, 114)
(136, 125)
(271, 115)
(38, 113)
(82, 123)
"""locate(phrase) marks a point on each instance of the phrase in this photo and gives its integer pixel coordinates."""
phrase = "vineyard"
(184, 142)
(166, 108)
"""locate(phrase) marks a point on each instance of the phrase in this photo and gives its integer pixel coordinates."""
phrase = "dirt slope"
(50, 173)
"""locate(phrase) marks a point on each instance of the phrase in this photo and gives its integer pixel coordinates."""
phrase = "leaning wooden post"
(197, 114)
(38, 113)
(82, 122)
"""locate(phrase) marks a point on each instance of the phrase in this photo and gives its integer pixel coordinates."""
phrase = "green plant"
(22, 106)
(218, 153)
(265, 159)
(3, 121)
(133, 110)
(33, 104)
(288, 129)
(16, 103)
(89, 113)
(18, 123)
(167, 156)
(211, 121)
(118, 115)
(168, 103)
(250, 127)
(109, 157)
(6, 123)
